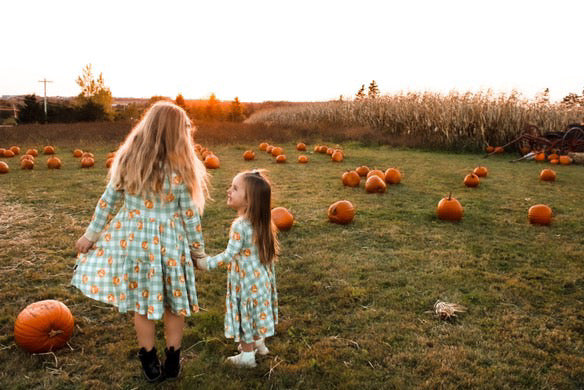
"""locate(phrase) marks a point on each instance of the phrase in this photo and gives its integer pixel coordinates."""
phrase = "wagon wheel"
(572, 140)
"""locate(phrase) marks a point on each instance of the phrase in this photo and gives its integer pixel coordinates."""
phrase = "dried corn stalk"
(446, 310)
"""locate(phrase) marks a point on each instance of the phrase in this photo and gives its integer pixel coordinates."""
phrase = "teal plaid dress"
(251, 301)
(141, 260)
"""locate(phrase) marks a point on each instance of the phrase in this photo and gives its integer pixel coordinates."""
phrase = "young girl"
(140, 260)
(251, 299)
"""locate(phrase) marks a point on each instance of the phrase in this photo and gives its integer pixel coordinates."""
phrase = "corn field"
(455, 121)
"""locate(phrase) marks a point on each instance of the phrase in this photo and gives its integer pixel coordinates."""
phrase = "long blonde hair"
(258, 193)
(158, 146)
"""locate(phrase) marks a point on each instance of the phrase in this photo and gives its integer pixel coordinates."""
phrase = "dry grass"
(455, 121)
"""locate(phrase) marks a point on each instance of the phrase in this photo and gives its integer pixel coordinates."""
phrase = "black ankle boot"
(172, 363)
(150, 364)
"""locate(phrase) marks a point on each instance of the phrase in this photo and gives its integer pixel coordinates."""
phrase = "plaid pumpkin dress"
(141, 260)
(251, 301)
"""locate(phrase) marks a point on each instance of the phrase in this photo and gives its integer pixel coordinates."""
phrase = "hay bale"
(577, 158)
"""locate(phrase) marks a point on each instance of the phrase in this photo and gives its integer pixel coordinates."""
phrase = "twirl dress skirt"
(251, 301)
(141, 260)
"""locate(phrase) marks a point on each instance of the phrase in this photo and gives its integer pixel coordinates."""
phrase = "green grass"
(353, 299)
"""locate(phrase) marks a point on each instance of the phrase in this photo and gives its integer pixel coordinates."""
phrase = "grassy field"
(354, 299)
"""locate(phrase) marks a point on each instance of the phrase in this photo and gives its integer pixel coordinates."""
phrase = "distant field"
(354, 299)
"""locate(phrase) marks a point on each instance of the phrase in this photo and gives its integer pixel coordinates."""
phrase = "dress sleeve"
(189, 213)
(236, 237)
(103, 212)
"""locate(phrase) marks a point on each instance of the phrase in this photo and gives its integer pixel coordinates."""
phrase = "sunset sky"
(297, 51)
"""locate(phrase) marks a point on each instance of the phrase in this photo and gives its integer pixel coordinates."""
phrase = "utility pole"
(45, 81)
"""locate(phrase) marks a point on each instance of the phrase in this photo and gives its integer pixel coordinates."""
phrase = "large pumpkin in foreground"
(341, 212)
(449, 209)
(283, 219)
(43, 326)
(540, 214)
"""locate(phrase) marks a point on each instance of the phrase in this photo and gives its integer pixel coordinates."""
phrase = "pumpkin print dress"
(251, 301)
(141, 259)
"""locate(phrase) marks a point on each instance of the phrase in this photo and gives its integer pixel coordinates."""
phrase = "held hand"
(83, 245)
(201, 264)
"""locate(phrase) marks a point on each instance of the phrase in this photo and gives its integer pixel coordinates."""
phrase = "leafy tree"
(180, 101)
(236, 111)
(95, 99)
(213, 108)
(373, 92)
(31, 111)
(360, 95)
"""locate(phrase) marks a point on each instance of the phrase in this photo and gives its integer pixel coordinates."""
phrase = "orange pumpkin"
(565, 160)
(302, 159)
(375, 184)
(554, 162)
(87, 154)
(499, 150)
(109, 162)
(553, 156)
(4, 168)
(547, 175)
(212, 162)
(33, 152)
(330, 151)
(376, 172)
(341, 212)
(110, 155)
(540, 214)
(351, 179)
(8, 153)
(263, 146)
(481, 171)
(87, 162)
(2, 150)
(449, 209)
(77, 153)
(54, 163)
(15, 149)
(27, 157)
(393, 176)
(269, 149)
(540, 157)
(337, 156)
(276, 151)
(363, 170)
(490, 149)
(301, 146)
(283, 219)
(248, 155)
(49, 149)
(26, 163)
(316, 148)
(281, 158)
(43, 326)
(472, 180)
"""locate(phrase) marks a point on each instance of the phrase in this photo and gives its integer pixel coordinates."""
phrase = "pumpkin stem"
(55, 332)
(450, 195)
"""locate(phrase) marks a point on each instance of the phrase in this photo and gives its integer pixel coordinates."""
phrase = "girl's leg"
(145, 331)
(173, 329)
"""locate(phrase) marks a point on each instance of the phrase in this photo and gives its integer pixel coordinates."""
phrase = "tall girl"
(251, 300)
(140, 259)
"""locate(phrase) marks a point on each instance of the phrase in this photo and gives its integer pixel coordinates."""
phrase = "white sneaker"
(259, 347)
(243, 360)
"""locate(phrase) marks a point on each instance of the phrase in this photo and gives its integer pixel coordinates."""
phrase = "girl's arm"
(236, 236)
(103, 213)
(192, 222)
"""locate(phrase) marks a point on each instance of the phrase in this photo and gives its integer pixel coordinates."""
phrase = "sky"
(293, 50)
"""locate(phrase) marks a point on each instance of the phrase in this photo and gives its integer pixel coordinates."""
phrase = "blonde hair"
(158, 146)
(258, 193)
